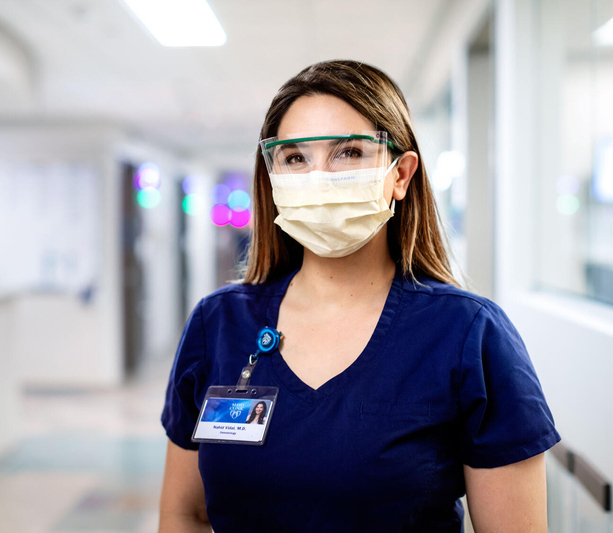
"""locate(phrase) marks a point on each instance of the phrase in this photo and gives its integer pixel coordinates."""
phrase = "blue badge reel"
(268, 340)
(241, 413)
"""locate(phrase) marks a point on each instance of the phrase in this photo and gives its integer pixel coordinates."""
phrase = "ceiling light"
(180, 22)
(603, 36)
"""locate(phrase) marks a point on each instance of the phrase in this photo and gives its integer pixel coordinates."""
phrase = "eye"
(349, 153)
(295, 159)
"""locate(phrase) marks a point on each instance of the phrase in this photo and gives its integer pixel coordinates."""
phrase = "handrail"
(594, 482)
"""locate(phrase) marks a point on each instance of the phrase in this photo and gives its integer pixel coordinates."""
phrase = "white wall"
(479, 217)
(200, 243)
(9, 393)
(60, 340)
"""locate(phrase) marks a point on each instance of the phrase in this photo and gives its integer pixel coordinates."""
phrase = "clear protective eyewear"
(303, 153)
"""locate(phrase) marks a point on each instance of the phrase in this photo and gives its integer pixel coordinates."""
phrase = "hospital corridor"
(306, 265)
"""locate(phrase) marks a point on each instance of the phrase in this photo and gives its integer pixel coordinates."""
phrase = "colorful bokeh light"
(240, 219)
(235, 180)
(239, 200)
(190, 184)
(567, 185)
(221, 214)
(149, 197)
(231, 201)
(147, 175)
(567, 204)
(191, 204)
(220, 193)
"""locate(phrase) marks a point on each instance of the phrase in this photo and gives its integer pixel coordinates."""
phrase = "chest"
(321, 343)
(364, 450)
(366, 463)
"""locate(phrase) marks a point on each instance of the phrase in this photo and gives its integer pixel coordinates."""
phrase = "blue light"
(190, 184)
(239, 200)
(220, 193)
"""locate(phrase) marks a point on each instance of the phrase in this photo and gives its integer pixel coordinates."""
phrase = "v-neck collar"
(339, 382)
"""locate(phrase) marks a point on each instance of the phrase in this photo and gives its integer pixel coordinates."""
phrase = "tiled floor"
(88, 461)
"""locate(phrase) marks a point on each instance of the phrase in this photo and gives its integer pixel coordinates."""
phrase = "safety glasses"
(302, 153)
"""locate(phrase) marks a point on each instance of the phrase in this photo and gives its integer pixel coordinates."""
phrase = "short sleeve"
(505, 418)
(181, 411)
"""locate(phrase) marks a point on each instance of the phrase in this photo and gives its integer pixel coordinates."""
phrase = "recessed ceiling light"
(603, 36)
(180, 22)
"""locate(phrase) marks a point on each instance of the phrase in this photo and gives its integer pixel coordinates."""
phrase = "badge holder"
(240, 414)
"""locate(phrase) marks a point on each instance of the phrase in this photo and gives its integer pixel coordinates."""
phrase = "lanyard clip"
(247, 372)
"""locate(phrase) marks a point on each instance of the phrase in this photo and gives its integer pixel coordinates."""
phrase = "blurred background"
(125, 179)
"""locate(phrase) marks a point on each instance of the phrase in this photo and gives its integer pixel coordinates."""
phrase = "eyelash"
(346, 152)
(290, 157)
(352, 151)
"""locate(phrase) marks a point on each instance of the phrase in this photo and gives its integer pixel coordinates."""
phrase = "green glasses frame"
(390, 144)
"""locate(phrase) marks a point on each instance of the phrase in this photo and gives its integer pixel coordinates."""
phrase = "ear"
(405, 169)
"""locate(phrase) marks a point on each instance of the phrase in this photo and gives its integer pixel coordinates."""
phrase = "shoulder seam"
(472, 323)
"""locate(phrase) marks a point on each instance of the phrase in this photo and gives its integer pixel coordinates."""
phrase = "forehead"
(323, 114)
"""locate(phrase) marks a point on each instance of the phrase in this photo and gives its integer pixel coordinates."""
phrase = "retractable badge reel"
(240, 413)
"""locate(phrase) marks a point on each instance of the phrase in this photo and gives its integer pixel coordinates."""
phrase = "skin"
(508, 499)
(341, 300)
(182, 505)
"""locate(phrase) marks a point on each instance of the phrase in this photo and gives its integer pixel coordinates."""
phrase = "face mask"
(333, 214)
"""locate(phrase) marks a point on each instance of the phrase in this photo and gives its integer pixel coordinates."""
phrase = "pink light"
(221, 214)
(240, 219)
(147, 175)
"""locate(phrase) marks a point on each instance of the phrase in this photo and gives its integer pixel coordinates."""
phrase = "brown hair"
(414, 236)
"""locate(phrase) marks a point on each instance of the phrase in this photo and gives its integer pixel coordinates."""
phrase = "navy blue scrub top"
(445, 380)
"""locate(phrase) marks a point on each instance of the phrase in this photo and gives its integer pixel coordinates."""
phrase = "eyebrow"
(292, 145)
(322, 138)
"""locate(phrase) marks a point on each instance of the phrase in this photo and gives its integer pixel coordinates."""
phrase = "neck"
(368, 271)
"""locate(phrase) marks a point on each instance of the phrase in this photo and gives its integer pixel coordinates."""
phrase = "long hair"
(414, 234)
(253, 414)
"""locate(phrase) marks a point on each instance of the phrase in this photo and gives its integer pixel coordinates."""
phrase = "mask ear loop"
(389, 169)
(392, 205)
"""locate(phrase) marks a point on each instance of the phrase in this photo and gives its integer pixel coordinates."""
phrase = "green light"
(567, 204)
(191, 204)
(149, 197)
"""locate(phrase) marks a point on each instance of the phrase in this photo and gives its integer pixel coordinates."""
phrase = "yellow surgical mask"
(333, 214)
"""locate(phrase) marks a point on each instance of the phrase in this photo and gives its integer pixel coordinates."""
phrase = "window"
(575, 133)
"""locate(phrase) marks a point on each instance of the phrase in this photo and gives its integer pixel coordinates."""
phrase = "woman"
(398, 391)
(258, 414)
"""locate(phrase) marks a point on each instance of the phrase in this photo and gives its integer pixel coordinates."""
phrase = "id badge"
(236, 415)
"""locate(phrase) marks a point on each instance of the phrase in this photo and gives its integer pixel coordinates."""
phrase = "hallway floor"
(88, 461)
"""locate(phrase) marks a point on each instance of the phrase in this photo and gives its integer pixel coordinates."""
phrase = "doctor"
(399, 392)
